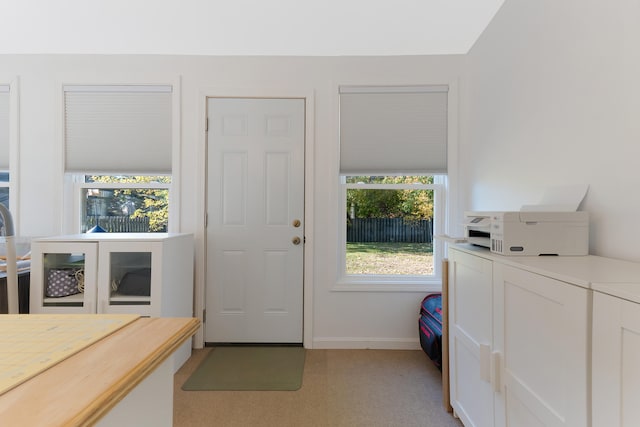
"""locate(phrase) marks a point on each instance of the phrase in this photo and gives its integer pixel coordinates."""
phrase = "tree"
(375, 203)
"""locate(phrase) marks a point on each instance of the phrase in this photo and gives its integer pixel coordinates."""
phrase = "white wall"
(552, 96)
(340, 319)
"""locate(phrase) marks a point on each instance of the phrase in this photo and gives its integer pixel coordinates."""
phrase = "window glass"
(125, 203)
(4, 189)
(389, 226)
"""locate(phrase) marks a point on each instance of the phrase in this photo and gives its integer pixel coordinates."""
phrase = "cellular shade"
(118, 129)
(4, 127)
(393, 130)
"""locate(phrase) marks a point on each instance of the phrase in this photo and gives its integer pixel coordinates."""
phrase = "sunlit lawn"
(389, 258)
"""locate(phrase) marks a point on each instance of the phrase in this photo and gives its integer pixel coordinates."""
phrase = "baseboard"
(353, 343)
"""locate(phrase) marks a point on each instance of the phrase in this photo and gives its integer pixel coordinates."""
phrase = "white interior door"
(255, 227)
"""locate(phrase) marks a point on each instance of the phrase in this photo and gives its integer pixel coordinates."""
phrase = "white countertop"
(607, 275)
(628, 291)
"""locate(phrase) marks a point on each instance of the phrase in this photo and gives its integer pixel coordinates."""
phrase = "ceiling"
(244, 27)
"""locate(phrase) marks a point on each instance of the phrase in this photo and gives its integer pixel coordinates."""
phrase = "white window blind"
(393, 129)
(118, 129)
(4, 127)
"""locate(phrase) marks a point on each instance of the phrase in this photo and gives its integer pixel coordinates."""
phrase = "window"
(118, 156)
(389, 226)
(4, 188)
(4, 195)
(124, 203)
(393, 165)
(4, 144)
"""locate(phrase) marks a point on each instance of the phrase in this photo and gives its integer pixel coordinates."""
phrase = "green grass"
(389, 258)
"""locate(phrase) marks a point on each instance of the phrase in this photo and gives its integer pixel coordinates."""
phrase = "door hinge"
(204, 316)
(206, 219)
(206, 124)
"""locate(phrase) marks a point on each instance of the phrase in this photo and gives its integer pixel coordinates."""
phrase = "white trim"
(393, 89)
(453, 226)
(416, 186)
(369, 285)
(175, 195)
(117, 88)
(141, 185)
(200, 249)
(309, 187)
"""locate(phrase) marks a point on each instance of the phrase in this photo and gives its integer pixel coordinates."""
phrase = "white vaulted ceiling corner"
(244, 27)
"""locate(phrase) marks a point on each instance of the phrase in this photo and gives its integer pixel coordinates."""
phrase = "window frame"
(394, 283)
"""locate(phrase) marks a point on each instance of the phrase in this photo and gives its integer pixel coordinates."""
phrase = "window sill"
(392, 284)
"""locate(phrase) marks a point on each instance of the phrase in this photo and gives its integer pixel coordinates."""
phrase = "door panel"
(542, 334)
(470, 331)
(255, 193)
(615, 371)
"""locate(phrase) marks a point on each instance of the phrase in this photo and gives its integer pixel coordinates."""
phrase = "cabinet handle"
(495, 372)
(485, 363)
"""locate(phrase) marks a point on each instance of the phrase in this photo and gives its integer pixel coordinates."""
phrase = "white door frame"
(201, 235)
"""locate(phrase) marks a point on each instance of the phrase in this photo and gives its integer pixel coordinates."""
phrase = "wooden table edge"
(174, 332)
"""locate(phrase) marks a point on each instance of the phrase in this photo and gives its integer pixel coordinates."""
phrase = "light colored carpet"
(249, 368)
(340, 388)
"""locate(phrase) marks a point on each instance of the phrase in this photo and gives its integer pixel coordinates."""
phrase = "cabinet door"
(128, 277)
(541, 333)
(63, 277)
(615, 366)
(470, 337)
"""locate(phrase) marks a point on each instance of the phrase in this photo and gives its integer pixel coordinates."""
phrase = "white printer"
(529, 232)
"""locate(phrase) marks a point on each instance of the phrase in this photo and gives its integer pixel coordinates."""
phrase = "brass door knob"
(296, 223)
(296, 240)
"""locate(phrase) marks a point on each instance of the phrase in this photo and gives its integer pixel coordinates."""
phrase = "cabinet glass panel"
(130, 278)
(63, 279)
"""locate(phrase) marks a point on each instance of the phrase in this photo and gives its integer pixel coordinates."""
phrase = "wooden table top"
(32, 343)
(79, 390)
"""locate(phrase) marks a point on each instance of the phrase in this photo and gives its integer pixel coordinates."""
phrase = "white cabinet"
(616, 357)
(51, 262)
(150, 274)
(470, 337)
(521, 340)
(541, 347)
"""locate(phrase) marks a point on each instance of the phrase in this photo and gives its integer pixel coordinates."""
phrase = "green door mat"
(249, 368)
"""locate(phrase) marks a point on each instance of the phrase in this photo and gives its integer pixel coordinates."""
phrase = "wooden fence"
(389, 230)
(118, 224)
